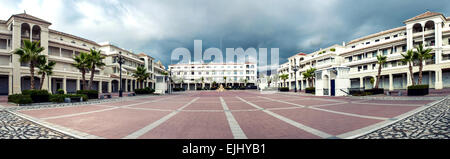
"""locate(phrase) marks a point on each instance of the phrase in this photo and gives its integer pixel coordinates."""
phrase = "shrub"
(38, 96)
(284, 89)
(60, 91)
(59, 98)
(333, 49)
(20, 99)
(418, 87)
(91, 94)
(146, 90)
(310, 90)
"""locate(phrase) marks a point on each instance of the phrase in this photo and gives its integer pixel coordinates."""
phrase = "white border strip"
(234, 125)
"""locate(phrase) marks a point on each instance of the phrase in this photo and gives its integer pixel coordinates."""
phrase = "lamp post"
(120, 61)
(169, 91)
(295, 68)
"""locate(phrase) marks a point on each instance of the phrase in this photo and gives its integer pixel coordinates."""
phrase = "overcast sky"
(157, 27)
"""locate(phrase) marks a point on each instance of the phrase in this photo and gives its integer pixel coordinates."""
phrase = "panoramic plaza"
(232, 115)
(55, 85)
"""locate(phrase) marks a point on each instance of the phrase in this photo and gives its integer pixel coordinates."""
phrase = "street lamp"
(295, 68)
(170, 82)
(120, 60)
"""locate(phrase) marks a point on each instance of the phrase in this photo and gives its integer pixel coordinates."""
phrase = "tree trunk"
(92, 77)
(378, 77)
(420, 72)
(412, 74)
(83, 73)
(42, 79)
(31, 75)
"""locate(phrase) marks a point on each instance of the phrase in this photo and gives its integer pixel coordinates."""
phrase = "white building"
(61, 47)
(189, 76)
(431, 29)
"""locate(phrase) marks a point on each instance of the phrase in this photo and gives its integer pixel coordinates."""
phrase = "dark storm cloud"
(158, 27)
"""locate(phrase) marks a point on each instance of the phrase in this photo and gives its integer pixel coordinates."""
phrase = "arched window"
(429, 25)
(25, 30)
(417, 28)
(36, 33)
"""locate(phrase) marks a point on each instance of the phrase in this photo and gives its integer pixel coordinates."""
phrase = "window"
(385, 51)
(365, 67)
(448, 41)
(373, 66)
(374, 54)
(367, 43)
(385, 65)
(350, 59)
(359, 68)
(353, 46)
(394, 64)
(377, 40)
(3, 43)
(396, 35)
(387, 38)
(404, 48)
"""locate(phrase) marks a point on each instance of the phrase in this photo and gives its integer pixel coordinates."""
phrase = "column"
(391, 82)
(48, 84)
(100, 86)
(10, 84)
(438, 41)
(423, 35)
(16, 42)
(408, 78)
(409, 38)
(78, 84)
(438, 79)
(307, 83)
(109, 86)
(361, 82)
(65, 84)
(126, 85)
(189, 86)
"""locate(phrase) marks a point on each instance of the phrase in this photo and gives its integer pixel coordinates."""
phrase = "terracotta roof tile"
(2, 21)
(30, 17)
(423, 15)
(73, 36)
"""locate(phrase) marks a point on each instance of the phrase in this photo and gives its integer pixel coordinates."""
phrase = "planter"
(375, 91)
(418, 90)
(310, 90)
(284, 89)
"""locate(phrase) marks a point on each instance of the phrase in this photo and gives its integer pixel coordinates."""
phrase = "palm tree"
(284, 77)
(82, 62)
(45, 68)
(421, 55)
(96, 61)
(409, 58)
(310, 75)
(140, 74)
(225, 80)
(380, 60)
(30, 53)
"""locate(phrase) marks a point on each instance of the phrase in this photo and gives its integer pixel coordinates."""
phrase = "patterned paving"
(14, 127)
(228, 115)
(431, 123)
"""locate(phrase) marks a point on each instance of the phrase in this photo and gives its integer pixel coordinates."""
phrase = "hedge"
(178, 89)
(60, 91)
(310, 90)
(38, 96)
(59, 98)
(91, 94)
(20, 99)
(146, 90)
(284, 89)
(419, 87)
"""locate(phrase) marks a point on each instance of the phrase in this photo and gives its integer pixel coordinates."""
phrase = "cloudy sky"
(157, 27)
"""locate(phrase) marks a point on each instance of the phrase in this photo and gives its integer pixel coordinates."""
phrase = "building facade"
(359, 55)
(189, 76)
(61, 48)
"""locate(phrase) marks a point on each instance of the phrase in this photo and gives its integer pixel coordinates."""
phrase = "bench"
(103, 96)
(73, 99)
(390, 93)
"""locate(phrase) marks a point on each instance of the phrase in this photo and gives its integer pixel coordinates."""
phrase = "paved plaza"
(231, 115)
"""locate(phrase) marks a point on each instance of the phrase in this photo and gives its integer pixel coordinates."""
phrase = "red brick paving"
(121, 122)
(260, 125)
(193, 125)
(115, 123)
(414, 102)
(331, 123)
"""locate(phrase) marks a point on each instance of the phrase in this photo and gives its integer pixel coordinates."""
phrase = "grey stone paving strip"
(330, 111)
(102, 110)
(289, 121)
(64, 130)
(372, 128)
(275, 100)
(234, 125)
(153, 125)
